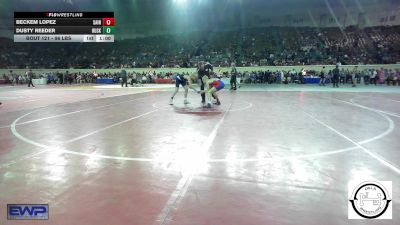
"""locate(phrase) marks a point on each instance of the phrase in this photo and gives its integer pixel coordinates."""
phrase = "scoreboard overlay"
(64, 26)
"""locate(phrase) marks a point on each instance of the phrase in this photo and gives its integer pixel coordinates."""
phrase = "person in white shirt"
(79, 78)
(303, 73)
(144, 79)
(373, 77)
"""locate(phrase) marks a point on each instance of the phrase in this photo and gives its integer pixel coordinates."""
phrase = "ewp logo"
(27, 212)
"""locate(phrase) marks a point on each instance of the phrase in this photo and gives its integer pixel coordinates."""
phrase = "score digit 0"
(108, 30)
(108, 21)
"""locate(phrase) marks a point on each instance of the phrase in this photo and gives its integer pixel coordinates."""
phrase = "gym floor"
(280, 154)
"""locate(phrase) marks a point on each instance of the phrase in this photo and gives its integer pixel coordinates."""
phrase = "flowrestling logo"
(370, 200)
(27, 211)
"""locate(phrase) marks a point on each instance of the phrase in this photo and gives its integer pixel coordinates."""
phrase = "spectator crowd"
(346, 76)
(271, 46)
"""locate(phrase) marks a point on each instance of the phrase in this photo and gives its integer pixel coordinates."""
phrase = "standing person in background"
(354, 76)
(17, 79)
(348, 76)
(286, 76)
(12, 78)
(292, 75)
(64, 78)
(330, 76)
(124, 77)
(59, 77)
(149, 77)
(79, 78)
(366, 77)
(233, 80)
(29, 74)
(69, 77)
(336, 74)
(381, 76)
(398, 76)
(94, 76)
(144, 78)
(342, 75)
(374, 75)
(133, 80)
(302, 74)
(49, 78)
(391, 78)
(322, 77)
(21, 79)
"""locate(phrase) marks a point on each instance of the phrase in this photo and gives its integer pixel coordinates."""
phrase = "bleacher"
(274, 46)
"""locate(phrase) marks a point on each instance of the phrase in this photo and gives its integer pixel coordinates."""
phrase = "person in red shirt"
(212, 86)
